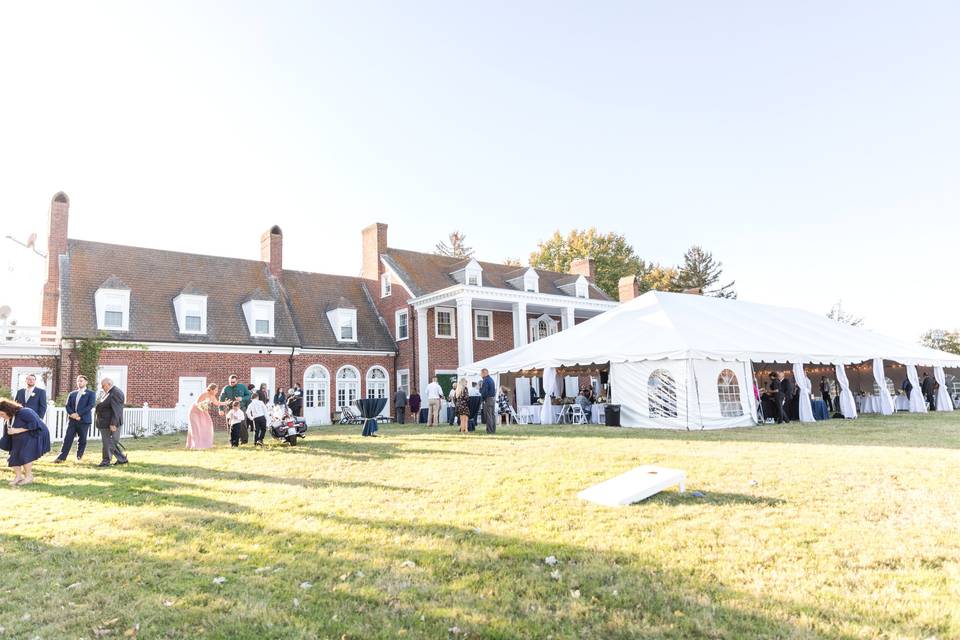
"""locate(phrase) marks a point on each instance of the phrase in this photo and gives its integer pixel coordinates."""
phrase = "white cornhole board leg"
(634, 485)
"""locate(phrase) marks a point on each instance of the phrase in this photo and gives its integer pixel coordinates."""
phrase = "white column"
(464, 331)
(519, 324)
(423, 366)
(566, 318)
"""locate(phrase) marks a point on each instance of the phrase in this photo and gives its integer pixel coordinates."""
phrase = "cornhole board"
(634, 485)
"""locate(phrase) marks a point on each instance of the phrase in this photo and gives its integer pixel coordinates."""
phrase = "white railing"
(14, 334)
(137, 423)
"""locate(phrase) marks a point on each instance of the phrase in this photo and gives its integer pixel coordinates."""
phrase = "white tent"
(686, 361)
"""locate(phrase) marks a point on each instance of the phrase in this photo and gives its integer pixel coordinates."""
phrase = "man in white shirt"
(434, 395)
(257, 411)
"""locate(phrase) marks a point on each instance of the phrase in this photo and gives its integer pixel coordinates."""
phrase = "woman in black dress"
(25, 437)
(461, 399)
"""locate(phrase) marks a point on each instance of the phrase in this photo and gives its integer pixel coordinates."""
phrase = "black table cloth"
(370, 408)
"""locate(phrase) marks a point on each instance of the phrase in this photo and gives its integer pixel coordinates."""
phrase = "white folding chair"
(518, 418)
(577, 415)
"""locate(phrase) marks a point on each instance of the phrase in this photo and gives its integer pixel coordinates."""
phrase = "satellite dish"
(4, 312)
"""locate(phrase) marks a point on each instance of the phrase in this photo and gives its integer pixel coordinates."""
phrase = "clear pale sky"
(813, 147)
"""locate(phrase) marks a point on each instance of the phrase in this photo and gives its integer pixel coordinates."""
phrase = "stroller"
(284, 426)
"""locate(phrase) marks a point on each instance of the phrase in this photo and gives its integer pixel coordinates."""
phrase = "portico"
(474, 316)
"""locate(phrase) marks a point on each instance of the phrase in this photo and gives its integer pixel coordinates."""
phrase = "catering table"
(820, 410)
(370, 408)
(532, 412)
(901, 403)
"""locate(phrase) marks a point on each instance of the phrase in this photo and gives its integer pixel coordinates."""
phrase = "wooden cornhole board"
(634, 485)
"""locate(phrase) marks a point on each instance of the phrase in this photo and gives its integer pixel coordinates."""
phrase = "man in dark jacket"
(109, 421)
(236, 391)
(926, 385)
(79, 409)
(776, 389)
(33, 397)
(488, 391)
(400, 404)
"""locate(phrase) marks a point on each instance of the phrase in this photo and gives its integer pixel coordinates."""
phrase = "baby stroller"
(284, 426)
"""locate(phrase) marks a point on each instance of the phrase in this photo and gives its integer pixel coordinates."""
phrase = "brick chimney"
(629, 287)
(374, 244)
(271, 250)
(56, 246)
(583, 267)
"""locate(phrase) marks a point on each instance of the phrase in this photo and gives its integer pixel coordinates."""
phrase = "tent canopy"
(658, 325)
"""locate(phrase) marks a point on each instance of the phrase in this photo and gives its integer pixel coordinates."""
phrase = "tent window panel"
(662, 391)
(728, 388)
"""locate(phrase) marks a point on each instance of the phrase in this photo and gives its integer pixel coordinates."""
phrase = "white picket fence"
(137, 423)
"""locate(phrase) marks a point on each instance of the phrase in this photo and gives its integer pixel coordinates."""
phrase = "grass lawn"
(833, 530)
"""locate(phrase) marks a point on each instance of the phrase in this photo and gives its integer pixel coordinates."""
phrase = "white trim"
(448, 295)
(340, 318)
(395, 278)
(254, 310)
(116, 298)
(453, 322)
(276, 350)
(396, 324)
(188, 302)
(386, 285)
(489, 315)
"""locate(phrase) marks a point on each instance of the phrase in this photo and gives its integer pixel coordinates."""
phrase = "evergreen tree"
(701, 271)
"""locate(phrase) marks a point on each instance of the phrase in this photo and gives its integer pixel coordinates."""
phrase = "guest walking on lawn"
(200, 432)
(462, 401)
(79, 409)
(25, 437)
(109, 415)
(236, 391)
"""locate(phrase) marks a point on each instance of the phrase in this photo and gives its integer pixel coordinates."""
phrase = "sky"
(814, 148)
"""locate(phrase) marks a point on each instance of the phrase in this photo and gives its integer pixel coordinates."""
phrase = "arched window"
(662, 394)
(316, 386)
(348, 386)
(377, 382)
(728, 388)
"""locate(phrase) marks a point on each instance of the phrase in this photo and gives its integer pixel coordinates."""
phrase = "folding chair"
(518, 418)
(577, 415)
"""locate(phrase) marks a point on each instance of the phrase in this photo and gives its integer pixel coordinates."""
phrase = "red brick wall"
(7, 365)
(154, 376)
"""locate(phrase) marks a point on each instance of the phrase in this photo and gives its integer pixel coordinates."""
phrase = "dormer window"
(112, 302)
(531, 281)
(582, 288)
(471, 274)
(386, 287)
(343, 321)
(259, 317)
(191, 312)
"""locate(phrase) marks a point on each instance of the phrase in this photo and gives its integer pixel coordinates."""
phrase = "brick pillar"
(583, 267)
(56, 247)
(271, 250)
(374, 244)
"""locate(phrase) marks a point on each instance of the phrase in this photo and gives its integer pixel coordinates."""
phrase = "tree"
(837, 313)
(512, 262)
(942, 340)
(457, 247)
(612, 254)
(700, 271)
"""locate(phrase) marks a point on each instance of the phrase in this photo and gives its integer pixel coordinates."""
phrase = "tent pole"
(696, 386)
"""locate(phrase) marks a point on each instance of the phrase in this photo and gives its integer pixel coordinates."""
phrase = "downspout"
(290, 369)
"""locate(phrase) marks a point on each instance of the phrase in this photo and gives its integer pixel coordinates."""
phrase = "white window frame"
(386, 286)
(346, 382)
(184, 304)
(403, 380)
(113, 300)
(255, 310)
(476, 324)
(340, 318)
(453, 322)
(582, 289)
(396, 324)
(534, 327)
(531, 281)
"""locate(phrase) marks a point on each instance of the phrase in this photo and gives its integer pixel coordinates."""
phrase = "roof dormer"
(343, 320)
(525, 280)
(190, 308)
(470, 274)
(258, 311)
(112, 303)
(574, 285)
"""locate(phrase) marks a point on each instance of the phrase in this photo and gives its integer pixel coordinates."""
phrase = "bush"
(5, 392)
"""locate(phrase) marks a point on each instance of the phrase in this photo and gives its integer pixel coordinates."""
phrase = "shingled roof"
(426, 272)
(155, 277)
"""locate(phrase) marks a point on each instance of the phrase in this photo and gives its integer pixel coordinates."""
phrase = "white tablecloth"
(598, 413)
(901, 403)
(871, 404)
(532, 412)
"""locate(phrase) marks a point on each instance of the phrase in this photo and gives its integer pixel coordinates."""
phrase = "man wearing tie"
(32, 397)
(80, 412)
(109, 421)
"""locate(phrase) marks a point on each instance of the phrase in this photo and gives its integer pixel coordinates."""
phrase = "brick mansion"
(406, 317)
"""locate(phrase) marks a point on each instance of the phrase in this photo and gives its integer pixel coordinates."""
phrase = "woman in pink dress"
(200, 433)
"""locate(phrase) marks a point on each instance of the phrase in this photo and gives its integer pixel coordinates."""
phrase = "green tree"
(701, 271)
(942, 340)
(612, 255)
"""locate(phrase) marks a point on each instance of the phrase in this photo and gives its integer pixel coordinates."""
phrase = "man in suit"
(926, 386)
(80, 405)
(109, 421)
(33, 397)
(907, 387)
(400, 404)
(488, 391)
(776, 389)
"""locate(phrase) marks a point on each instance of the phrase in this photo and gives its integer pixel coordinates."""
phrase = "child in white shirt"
(237, 421)
(257, 411)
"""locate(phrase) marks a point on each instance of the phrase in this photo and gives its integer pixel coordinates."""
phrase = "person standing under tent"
(776, 390)
(488, 392)
(907, 387)
(825, 392)
(926, 386)
(789, 390)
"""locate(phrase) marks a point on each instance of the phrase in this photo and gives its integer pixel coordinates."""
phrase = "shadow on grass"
(710, 497)
(490, 586)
